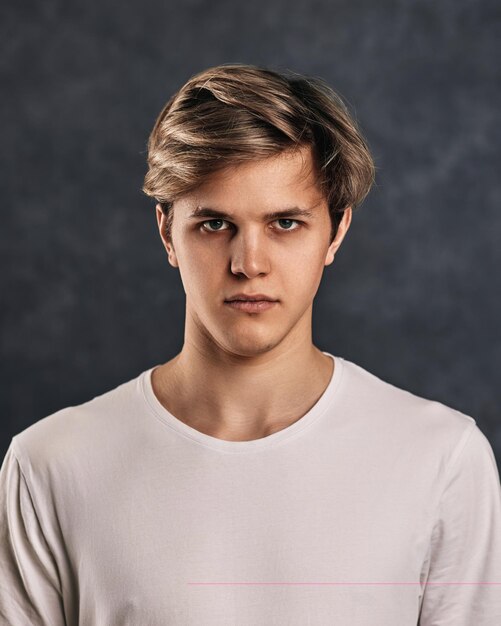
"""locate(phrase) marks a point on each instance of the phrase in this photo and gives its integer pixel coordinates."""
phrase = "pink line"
(345, 583)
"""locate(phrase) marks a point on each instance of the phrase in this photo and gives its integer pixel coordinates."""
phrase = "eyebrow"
(274, 215)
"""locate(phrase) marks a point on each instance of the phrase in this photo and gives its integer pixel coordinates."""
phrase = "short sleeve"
(29, 588)
(463, 583)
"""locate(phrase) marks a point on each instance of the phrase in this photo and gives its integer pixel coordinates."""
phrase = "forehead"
(288, 178)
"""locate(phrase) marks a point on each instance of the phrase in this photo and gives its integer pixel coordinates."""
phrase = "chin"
(250, 344)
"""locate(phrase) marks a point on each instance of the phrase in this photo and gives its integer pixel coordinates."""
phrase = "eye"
(286, 219)
(211, 222)
(283, 219)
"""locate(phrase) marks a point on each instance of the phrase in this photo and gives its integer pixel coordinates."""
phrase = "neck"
(235, 397)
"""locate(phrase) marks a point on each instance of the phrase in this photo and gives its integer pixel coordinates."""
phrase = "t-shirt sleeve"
(463, 583)
(29, 582)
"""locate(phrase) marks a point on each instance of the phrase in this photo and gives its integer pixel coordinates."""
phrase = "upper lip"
(250, 296)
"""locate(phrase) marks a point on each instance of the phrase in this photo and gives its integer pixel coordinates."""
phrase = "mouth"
(251, 306)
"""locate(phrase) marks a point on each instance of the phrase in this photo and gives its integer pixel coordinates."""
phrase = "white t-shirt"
(376, 508)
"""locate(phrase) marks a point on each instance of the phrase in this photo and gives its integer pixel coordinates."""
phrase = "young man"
(254, 478)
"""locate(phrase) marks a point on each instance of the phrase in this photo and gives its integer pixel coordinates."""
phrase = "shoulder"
(425, 425)
(78, 431)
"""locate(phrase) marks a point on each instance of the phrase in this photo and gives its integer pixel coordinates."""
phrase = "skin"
(239, 375)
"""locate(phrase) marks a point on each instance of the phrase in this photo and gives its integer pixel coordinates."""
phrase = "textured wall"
(89, 299)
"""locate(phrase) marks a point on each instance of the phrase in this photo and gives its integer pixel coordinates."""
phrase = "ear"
(344, 224)
(167, 241)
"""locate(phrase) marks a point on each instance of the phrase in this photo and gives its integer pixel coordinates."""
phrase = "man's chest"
(282, 549)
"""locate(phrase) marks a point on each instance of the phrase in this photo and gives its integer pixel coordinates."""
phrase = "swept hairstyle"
(234, 112)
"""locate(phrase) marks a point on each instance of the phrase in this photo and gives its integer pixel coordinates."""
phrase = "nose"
(249, 254)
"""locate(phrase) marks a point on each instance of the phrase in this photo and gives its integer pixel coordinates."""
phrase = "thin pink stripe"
(345, 583)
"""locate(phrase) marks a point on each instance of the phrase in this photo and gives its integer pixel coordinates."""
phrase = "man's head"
(236, 113)
(248, 142)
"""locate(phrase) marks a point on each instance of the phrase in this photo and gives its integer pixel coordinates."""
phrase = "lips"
(251, 306)
(252, 297)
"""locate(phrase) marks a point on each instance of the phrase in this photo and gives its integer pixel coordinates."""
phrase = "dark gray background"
(89, 299)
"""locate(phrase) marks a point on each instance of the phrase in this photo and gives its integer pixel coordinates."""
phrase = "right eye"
(202, 225)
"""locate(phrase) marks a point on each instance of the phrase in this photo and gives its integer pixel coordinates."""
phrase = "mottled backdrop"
(88, 297)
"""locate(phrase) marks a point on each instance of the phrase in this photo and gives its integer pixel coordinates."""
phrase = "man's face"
(249, 253)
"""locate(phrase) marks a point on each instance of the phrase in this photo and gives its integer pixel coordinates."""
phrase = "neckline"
(317, 410)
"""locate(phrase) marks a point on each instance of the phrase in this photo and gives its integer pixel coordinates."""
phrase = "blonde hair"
(233, 113)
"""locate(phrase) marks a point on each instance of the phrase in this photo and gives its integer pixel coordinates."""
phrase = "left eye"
(288, 220)
(283, 219)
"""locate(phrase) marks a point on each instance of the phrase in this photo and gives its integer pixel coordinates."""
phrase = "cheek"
(192, 277)
(203, 278)
(298, 277)
(310, 274)
(306, 263)
(196, 262)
